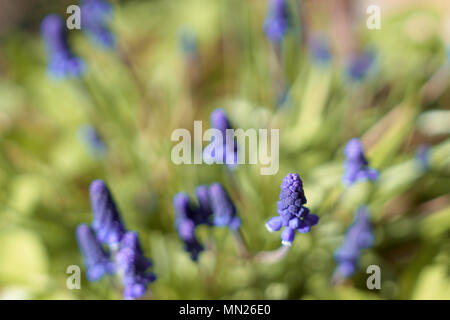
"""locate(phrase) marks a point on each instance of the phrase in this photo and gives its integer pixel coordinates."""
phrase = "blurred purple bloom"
(319, 49)
(90, 137)
(359, 65)
(107, 222)
(94, 17)
(96, 260)
(277, 21)
(213, 208)
(188, 217)
(356, 165)
(221, 152)
(224, 211)
(62, 63)
(359, 236)
(422, 157)
(133, 267)
(292, 215)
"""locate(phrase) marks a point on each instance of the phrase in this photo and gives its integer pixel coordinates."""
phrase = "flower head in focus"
(96, 259)
(359, 236)
(133, 267)
(224, 151)
(94, 21)
(292, 214)
(356, 165)
(277, 21)
(62, 63)
(107, 221)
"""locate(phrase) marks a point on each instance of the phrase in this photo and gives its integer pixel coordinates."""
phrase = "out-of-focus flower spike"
(62, 63)
(96, 260)
(107, 222)
(94, 21)
(356, 166)
(277, 21)
(133, 266)
(90, 137)
(224, 211)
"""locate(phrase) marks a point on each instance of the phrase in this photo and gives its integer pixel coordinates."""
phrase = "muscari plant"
(238, 208)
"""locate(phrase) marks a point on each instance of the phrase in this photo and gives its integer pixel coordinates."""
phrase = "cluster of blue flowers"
(62, 62)
(222, 151)
(356, 165)
(359, 236)
(277, 22)
(107, 247)
(213, 208)
(292, 214)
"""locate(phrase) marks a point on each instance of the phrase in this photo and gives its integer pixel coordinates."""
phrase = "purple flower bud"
(359, 236)
(96, 260)
(224, 211)
(107, 222)
(133, 267)
(62, 63)
(356, 165)
(292, 214)
(221, 151)
(277, 21)
(94, 17)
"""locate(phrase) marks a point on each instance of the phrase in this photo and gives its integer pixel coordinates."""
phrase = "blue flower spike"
(277, 22)
(359, 236)
(96, 259)
(356, 166)
(62, 63)
(292, 214)
(107, 222)
(94, 22)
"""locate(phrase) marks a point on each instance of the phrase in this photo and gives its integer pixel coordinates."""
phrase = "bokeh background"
(174, 63)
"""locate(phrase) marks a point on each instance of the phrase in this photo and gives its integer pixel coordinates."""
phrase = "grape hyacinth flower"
(422, 157)
(107, 222)
(224, 211)
(224, 151)
(188, 217)
(62, 63)
(94, 18)
(292, 214)
(96, 260)
(359, 65)
(356, 165)
(90, 137)
(214, 208)
(277, 21)
(359, 236)
(133, 267)
(319, 50)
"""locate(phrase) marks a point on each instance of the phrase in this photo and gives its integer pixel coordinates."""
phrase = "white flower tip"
(286, 243)
(269, 228)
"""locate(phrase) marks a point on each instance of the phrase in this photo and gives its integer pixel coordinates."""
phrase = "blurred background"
(174, 62)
